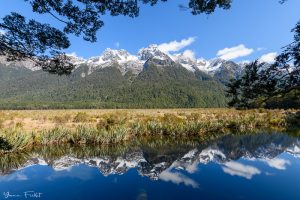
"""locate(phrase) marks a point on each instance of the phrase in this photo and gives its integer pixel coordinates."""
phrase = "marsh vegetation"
(24, 129)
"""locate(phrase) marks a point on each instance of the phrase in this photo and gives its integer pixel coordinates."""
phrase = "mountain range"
(118, 79)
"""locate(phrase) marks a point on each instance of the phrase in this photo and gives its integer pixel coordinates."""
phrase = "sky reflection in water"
(232, 167)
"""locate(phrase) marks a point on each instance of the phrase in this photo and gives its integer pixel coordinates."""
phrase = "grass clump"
(81, 117)
(15, 139)
(57, 135)
(63, 119)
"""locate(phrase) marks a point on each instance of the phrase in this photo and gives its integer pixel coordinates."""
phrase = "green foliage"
(55, 136)
(15, 139)
(171, 87)
(270, 85)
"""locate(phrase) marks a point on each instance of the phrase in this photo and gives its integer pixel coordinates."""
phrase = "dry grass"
(39, 120)
(23, 128)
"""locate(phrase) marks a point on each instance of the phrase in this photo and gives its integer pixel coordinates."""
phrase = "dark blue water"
(260, 166)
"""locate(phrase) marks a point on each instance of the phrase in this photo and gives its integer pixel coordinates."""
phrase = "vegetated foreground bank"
(24, 129)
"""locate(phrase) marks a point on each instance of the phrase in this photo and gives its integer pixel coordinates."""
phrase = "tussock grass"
(61, 119)
(81, 117)
(21, 129)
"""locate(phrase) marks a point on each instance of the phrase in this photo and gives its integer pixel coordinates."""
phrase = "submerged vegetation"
(23, 129)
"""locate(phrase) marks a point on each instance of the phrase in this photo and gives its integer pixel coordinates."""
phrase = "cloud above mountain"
(234, 52)
(175, 45)
(268, 58)
(189, 54)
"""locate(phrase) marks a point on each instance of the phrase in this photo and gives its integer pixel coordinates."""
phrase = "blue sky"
(250, 29)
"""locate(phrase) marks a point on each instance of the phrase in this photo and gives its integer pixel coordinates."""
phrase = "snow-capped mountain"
(187, 62)
(117, 78)
(153, 55)
(152, 52)
(126, 62)
(121, 58)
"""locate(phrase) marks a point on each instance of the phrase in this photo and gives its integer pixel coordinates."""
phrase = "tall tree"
(262, 82)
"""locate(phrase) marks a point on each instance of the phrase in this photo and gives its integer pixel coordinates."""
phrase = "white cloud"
(278, 163)
(234, 52)
(74, 54)
(268, 58)
(190, 54)
(177, 178)
(175, 45)
(117, 44)
(238, 169)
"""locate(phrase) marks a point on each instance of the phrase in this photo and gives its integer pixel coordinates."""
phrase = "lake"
(254, 166)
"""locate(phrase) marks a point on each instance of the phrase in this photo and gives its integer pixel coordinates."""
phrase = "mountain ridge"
(117, 79)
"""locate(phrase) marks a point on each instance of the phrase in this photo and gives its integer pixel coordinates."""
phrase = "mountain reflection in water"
(169, 160)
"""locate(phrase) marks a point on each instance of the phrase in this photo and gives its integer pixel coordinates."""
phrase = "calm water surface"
(260, 166)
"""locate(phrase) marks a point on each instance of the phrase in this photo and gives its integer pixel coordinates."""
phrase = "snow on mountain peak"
(123, 58)
(126, 62)
(117, 55)
(152, 55)
(76, 60)
(150, 52)
(186, 61)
